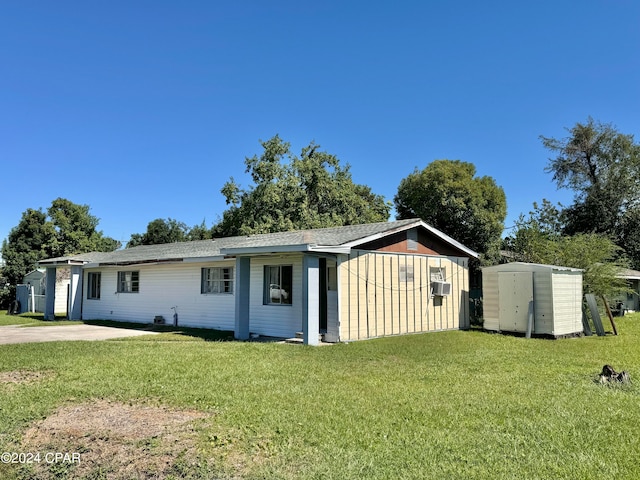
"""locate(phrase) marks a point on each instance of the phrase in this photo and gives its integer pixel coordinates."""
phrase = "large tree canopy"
(160, 231)
(66, 228)
(602, 167)
(292, 192)
(169, 231)
(448, 195)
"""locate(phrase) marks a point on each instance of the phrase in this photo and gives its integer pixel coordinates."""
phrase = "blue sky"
(143, 109)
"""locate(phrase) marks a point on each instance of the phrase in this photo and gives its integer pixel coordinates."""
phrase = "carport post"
(243, 273)
(75, 293)
(310, 299)
(50, 297)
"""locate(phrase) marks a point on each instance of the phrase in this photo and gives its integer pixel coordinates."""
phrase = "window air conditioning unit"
(440, 289)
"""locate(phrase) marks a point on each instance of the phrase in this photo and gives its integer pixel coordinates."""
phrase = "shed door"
(516, 292)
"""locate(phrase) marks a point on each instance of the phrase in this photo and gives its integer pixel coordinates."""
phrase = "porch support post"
(50, 294)
(243, 273)
(75, 293)
(310, 299)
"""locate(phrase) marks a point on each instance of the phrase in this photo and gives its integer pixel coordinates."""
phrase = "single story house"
(630, 300)
(344, 283)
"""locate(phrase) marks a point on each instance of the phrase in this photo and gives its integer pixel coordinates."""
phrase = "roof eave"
(266, 249)
(61, 263)
(443, 236)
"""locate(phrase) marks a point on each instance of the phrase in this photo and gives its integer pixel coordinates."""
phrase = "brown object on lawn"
(606, 306)
(610, 375)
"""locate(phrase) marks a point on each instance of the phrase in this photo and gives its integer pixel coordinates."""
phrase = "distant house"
(630, 300)
(344, 283)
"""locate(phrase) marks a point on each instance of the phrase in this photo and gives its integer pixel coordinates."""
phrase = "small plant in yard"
(461, 404)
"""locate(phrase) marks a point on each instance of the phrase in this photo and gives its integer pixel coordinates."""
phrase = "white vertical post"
(243, 274)
(75, 293)
(50, 294)
(310, 299)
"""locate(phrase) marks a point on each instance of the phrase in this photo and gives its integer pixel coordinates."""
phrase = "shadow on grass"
(40, 317)
(208, 335)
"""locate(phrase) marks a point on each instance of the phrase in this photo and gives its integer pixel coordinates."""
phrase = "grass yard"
(448, 405)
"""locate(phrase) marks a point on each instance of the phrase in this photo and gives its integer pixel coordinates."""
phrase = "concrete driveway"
(20, 334)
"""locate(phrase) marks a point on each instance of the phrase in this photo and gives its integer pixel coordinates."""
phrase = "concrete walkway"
(21, 334)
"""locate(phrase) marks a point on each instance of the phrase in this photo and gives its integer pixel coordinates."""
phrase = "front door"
(332, 333)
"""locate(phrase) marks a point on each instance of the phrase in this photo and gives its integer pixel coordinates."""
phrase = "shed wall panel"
(567, 304)
(543, 294)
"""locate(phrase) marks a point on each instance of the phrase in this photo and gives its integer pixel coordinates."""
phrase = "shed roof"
(520, 266)
(334, 239)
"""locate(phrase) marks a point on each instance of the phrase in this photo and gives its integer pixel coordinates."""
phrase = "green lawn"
(468, 405)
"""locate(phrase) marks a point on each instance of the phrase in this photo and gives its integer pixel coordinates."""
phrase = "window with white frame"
(93, 287)
(128, 282)
(217, 280)
(278, 284)
(438, 274)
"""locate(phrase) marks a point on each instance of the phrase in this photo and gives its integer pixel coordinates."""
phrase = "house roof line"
(323, 240)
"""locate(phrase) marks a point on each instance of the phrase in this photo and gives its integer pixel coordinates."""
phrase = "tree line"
(313, 189)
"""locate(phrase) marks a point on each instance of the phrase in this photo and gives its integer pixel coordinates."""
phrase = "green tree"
(66, 228)
(28, 242)
(199, 232)
(76, 229)
(596, 254)
(448, 196)
(602, 167)
(160, 231)
(292, 192)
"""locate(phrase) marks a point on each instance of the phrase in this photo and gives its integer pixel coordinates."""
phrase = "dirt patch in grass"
(17, 377)
(116, 441)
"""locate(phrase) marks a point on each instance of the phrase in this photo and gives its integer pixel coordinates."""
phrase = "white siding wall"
(567, 302)
(62, 297)
(162, 287)
(543, 302)
(275, 320)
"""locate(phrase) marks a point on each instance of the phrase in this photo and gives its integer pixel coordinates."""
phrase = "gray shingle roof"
(323, 237)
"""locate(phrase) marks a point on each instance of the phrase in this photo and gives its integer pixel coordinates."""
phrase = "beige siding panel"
(490, 301)
(380, 314)
(62, 297)
(543, 298)
(162, 287)
(378, 298)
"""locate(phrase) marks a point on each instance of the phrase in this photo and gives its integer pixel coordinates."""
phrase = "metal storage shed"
(553, 294)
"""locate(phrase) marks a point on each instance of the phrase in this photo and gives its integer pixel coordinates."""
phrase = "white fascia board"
(450, 240)
(64, 263)
(377, 236)
(330, 249)
(443, 236)
(266, 249)
(216, 258)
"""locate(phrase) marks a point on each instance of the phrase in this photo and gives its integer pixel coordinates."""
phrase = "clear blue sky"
(143, 109)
